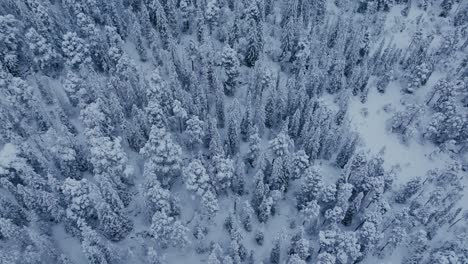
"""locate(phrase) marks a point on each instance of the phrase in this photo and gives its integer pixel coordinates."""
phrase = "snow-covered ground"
(371, 121)
(119, 71)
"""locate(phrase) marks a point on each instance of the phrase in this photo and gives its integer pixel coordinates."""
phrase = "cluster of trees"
(112, 112)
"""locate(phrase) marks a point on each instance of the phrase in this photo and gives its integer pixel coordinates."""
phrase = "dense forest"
(233, 131)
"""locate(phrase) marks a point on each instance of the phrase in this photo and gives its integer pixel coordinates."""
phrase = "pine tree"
(75, 50)
(96, 119)
(295, 125)
(300, 246)
(369, 236)
(219, 105)
(110, 192)
(299, 164)
(13, 212)
(275, 254)
(238, 182)
(246, 125)
(278, 179)
(78, 196)
(210, 204)
(158, 18)
(270, 120)
(114, 226)
(281, 145)
(419, 76)
(108, 157)
(348, 248)
(334, 215)
(347, 151)
(403, 122)
(164, 156)
(254, 149)
(10, 44)
(213, 259)
(154, 257)
(156, 197)
(44, 54)
(231, 68)
(397, 236)
(215, 146)
(138, 128)
(180, 115)
(194, 132)
(264, 209)
(74, 86)
(223, 172)
(196, 178)
(326, 258)
(409, 189)
(44, 203)
(254, 43)
(311, 187)
(186, 9)
(288, 39)
(311, 212)
(212, 14)
(93, 247)
(446, 6)
(233, 129)
(168, 231)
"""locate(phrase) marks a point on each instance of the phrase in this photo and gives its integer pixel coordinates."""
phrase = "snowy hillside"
(233, 132)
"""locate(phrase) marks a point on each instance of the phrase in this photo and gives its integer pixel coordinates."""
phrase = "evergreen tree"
(446, 6)
(254, 43)
(219, 105)
(163, 156)
(186, 9)
(44, 55)
(210, 204)
(270, 120)
(75, 50)
(275, 254)
(346, 151)
(196, 178)
(114, 226)
(157, 198)
(93, 247)
(311, 187)
(299, 164)
(9, 37)
(212, 14)
(194, 132)
(289, 38)
(403, 122)
(278, 179)
(397, 235)
(281, 145)
(231, 68)
(233, 129)
(78, 196)
(254, 149)
(168, 231)
(223, 172)
(246, 125)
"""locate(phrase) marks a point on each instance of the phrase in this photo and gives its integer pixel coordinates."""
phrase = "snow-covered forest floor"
(224, 131)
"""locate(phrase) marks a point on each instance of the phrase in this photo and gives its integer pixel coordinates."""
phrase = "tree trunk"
(384, 246)
(359, 226)
(454, 223)
(432, 97)
(388, 226)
